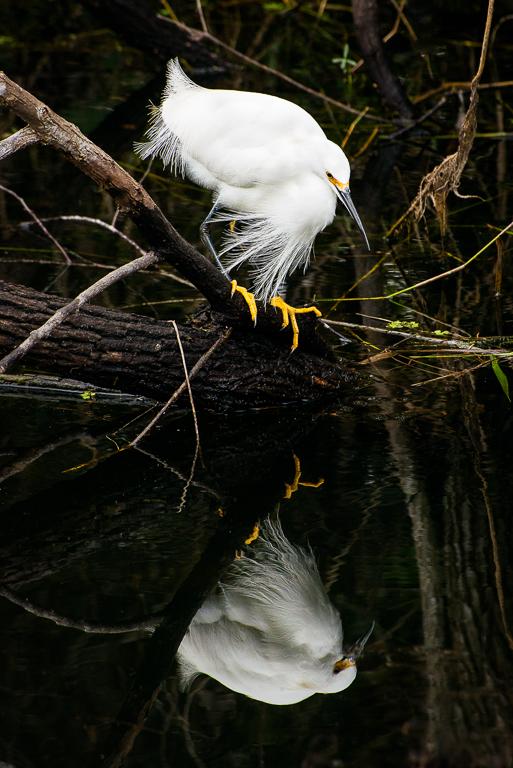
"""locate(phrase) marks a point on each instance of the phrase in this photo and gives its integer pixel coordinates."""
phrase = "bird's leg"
(207, 240)
(289, 313)
(209, 245)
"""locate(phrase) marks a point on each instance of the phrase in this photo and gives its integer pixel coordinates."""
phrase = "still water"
(394, 507)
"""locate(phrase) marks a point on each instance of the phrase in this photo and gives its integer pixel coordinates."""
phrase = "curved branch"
(25, 137)
(90, 627)
(53, 130)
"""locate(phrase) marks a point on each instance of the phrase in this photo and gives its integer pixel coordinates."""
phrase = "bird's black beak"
(356, 649)
(344, 195)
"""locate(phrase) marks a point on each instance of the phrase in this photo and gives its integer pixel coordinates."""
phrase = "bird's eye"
(329, 175)
(339, 666)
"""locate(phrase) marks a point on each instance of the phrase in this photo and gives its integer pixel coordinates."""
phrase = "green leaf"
(440, 333)
(88, 394)
(501, 377)
(411, 324)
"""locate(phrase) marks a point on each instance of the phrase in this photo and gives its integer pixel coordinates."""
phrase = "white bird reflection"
(269, 631)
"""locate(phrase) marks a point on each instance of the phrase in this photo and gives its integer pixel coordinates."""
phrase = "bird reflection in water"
(269, 631)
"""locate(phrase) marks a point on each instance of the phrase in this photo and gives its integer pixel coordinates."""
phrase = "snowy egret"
(273, 173)
(270, 631)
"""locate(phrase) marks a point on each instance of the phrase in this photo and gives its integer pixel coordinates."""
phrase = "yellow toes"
(292, 487)
(288, 315)
(248, 298)
(255, 533)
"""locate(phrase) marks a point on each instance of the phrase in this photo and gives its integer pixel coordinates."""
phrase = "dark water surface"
(410, 526)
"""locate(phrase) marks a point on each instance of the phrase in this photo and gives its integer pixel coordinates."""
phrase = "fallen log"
(140, 355)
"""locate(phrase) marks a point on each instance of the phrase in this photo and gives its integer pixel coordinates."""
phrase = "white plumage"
(270, 631)
(270, 167)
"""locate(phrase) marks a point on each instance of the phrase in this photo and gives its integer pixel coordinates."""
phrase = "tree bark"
(140, 355)
(366, 22)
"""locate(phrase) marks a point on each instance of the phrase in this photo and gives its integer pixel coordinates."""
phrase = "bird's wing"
(244, 660)
(241, 138)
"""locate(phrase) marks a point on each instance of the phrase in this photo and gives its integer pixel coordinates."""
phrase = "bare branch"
(38, 221)
(100, 223)
(25, 137)
(69, 309)
(197, 451)
(53, 130)
(467, 348)
(183, 386)
(201, 16)
(83, 626)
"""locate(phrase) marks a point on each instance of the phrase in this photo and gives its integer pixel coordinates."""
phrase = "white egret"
(270, 631)
(271, 169)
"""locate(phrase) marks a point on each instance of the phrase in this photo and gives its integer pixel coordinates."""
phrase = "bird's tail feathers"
(280, 576)
(187, 673)
(177, 80)
(271, 251)
(161, 143)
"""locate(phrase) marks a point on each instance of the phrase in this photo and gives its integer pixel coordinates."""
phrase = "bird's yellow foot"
(255, 533)
(248, 298)
(289, 313)
(292, 487)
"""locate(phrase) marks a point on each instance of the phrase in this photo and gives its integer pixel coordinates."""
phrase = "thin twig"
(64, 312)
(201, 16)
(460, 85)
(166, 465)
(197, 451)
(432, 279)
(188, 382)
(83, 626)
(25, 137)
(38, 221)
(467, 348)
(183, 386)
(420, 120)
(99, 223)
